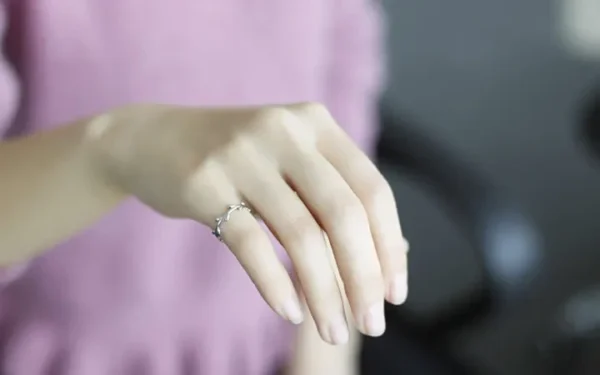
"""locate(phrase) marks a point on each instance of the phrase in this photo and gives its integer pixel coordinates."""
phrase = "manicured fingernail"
(292, 311)
(398, 291)
(338, 331)
(374, 320)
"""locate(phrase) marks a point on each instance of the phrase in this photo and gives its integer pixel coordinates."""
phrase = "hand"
(297, 169)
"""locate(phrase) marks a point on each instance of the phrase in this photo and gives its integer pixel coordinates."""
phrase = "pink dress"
(138, 293)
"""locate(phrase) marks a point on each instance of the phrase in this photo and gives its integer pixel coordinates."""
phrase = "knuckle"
(321, 289)
(272, 285)
(273, 119)
(346, 212)
(283, 125)
(244, 238)
(359, 269)
(323, 298)
(273, 282)
(196, 182)
(362, 274)
(269, 275)
(311, 108)
(377, 193)
(316, 114)
(301, 232)
(365, 284)
(238, 148)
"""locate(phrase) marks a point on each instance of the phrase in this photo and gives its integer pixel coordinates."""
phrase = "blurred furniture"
(573, 344)
(507, 244)
(579, 27)
(591, 123)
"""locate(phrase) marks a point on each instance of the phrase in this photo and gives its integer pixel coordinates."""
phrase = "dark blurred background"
(506, 88)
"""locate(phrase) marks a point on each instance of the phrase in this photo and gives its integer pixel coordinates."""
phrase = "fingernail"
(338, 331)
(398, 289)
(374, 320)
(292, 311)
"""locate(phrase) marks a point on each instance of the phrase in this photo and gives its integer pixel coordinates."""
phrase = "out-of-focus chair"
(506, 242)
(572, 346)
(590, 122)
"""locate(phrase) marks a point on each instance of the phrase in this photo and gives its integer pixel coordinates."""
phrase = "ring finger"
(211, 196)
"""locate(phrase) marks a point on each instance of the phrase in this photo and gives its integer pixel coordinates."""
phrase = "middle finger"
(301, 236)
(341, 214)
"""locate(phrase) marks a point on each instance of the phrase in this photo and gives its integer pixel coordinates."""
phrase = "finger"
(342, 216)
(296, 229)
(210, 194)
(374, 192)
(378, 199)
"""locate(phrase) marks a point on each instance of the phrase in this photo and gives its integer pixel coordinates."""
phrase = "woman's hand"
(297, 169)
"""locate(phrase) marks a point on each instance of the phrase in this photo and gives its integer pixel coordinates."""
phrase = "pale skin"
(194, 162)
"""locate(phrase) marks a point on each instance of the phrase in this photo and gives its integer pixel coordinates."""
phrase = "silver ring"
(217, 232)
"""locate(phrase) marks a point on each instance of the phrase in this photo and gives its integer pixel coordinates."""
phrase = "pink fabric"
(138, 293)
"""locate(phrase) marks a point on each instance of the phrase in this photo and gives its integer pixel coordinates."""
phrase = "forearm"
(313, 356)
(49, 191)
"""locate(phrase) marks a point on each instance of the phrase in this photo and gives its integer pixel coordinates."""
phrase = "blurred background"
(495, 101)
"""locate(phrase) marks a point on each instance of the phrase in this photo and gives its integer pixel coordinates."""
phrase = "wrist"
(105, 152)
